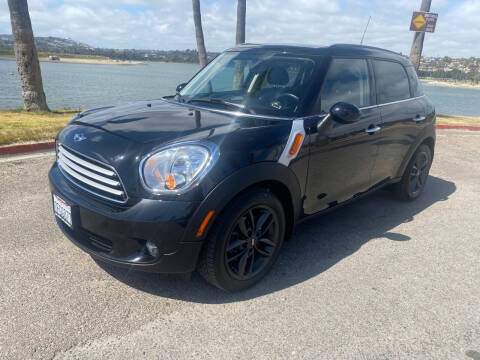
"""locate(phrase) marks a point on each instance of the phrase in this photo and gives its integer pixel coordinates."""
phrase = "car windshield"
(264, 83)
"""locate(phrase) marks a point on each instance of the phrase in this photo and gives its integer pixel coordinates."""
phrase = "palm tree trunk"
(27, 57)
(241, 14)
(197, 19)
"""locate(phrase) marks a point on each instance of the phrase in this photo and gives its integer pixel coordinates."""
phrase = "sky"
(168, 24)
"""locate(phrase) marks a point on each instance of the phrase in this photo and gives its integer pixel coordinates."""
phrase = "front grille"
(90, 175)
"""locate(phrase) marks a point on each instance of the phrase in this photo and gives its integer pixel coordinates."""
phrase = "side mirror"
(180, 87)
(345, 113)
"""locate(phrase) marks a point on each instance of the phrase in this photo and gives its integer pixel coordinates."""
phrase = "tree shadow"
(475, 355)
(317, 244)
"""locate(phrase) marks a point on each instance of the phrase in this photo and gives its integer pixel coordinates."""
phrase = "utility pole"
(241, 13)
(418, 38)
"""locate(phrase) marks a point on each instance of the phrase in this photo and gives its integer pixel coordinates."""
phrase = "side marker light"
(204, 223)
(297, 142)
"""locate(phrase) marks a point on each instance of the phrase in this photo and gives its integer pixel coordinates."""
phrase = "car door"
(402, 115)
(342, 156)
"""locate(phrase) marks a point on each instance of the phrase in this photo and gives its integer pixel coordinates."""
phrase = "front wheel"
(415, 176)
(244, 242)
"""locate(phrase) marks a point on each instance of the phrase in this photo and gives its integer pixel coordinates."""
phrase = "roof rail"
(364, 46)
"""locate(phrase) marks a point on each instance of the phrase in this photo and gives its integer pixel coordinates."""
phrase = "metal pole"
(418, 38)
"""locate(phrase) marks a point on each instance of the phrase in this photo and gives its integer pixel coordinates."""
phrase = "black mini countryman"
(215, 177)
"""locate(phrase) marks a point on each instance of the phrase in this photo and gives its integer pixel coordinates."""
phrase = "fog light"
(152, 249)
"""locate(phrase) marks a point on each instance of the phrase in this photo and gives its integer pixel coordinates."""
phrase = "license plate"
(62, 210)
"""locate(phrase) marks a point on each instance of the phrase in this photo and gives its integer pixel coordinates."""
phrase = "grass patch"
(458, 120)
(18, 126)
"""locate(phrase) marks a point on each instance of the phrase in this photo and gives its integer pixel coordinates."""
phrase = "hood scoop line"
(80, 122)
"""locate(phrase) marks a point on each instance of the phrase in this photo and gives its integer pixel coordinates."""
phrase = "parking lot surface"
(377, 279)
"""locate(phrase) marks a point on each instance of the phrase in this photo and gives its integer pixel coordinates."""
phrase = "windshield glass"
(265, 83)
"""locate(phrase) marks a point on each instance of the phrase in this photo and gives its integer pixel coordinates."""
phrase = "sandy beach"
(93, 61)
(446, 83)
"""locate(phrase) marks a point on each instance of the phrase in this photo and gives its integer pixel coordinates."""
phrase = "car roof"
(332, 50)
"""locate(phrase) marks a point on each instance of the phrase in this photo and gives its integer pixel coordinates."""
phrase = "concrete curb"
(28, 148)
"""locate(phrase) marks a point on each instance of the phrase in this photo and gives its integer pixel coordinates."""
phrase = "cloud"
(167, 24)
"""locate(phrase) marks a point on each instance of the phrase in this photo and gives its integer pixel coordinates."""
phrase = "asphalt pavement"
(377, 279)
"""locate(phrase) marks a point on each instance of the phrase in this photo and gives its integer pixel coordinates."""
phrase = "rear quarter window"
(391, 81)
(415, 85)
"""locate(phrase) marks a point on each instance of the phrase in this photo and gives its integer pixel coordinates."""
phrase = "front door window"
(347, 80)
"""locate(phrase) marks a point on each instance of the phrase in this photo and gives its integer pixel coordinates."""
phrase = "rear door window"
(391, 81)
(347, 80)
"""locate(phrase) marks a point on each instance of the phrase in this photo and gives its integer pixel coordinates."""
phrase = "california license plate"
(62, 210)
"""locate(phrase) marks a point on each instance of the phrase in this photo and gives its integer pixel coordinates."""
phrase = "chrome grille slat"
(91, 175)
(87, 172)
(89, 165)
(88, 181)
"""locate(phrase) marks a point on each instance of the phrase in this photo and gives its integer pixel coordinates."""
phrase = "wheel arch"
(430, 142)
(426, 137)
(282, 192)
(277, 178)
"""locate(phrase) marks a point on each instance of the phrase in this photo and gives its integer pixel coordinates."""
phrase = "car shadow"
(317, 244)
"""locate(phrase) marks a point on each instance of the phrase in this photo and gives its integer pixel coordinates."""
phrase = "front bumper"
(119, 235)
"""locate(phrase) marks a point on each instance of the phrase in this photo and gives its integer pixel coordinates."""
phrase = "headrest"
(278, 76)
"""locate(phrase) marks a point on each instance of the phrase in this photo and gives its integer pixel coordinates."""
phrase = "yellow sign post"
(419, 21)
(423, 21)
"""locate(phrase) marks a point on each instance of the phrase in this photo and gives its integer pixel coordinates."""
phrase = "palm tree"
(27, 57)
(241, 12)
(197, 19)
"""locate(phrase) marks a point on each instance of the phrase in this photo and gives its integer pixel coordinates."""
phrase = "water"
(85, 86)
(454, 101)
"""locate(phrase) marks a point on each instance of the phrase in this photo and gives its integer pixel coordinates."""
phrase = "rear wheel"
(244, 242)
(415, 176)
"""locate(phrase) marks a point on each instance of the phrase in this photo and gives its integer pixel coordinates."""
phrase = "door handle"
(373, 129)
(419, 118)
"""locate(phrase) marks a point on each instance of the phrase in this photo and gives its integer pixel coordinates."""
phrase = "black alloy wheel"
(418, 173)
(244, 242)
(415, 176)
(252, 242)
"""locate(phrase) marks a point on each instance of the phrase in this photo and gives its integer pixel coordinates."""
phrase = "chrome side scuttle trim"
(297, 128)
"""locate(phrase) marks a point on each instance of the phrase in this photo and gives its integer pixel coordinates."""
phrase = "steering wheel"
(287, 100)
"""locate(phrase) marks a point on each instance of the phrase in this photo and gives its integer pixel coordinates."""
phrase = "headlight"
(174, 169)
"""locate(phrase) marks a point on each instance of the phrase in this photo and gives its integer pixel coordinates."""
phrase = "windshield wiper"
(218, 101)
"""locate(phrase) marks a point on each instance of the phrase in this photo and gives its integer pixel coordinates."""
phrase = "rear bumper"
(119, 236)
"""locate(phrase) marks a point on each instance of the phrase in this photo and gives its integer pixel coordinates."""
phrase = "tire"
(415, 176)
(251, 254)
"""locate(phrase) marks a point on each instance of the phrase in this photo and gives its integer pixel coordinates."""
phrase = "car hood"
(122, 136)
(159, 121)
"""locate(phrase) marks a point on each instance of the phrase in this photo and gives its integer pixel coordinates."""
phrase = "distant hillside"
(50, 43)
(460, 69)
(58, 46)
